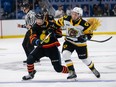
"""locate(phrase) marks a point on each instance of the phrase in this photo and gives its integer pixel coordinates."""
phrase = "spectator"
(1, 13)
(51, 11)
(20, 14)
(85, 11)
(68, 10)
(12, 9)
(7, 6)
(19, 4)
(37, 9)
(113, 11)
(59, 13)
(19, 11)
(106, 9)
(25, 1)
(95, 6)
(97, 10)
(37, 6)
(77, 5)
(44, 8)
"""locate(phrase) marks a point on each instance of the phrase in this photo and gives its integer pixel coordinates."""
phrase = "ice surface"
(102, 54)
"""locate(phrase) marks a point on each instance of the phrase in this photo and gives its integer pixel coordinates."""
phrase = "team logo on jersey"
(42, 37)
(86, 24)
(65, 46)
(72, 32)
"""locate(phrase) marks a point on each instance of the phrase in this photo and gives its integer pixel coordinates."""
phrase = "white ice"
(12, 69)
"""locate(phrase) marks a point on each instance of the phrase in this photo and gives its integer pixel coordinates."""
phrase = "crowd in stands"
(11, 9)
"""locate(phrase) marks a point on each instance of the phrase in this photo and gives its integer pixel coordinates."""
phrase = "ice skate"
(96, 73)
(72, 75)
(30, 76)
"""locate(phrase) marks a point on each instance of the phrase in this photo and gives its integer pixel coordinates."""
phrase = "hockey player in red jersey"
(44, 36)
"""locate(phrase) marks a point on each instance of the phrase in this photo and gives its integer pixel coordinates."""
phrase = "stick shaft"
(101, 41)
(45, 38)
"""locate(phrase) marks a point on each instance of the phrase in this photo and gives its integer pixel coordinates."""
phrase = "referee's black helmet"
(26, 5)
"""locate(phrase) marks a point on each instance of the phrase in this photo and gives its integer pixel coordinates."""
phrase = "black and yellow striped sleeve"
(87, 28)
(60, 21)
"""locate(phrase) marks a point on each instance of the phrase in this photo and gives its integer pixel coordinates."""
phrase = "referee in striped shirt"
(29, 22)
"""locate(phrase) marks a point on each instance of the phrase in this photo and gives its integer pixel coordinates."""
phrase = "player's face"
(25, 10)
(74, 15)
(39, 21)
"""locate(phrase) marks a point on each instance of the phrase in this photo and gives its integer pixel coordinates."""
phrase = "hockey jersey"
(74, 29)
(40, 32)
(30, 18)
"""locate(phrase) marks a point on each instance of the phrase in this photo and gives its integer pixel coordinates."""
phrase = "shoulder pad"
(67, 18)
(85, 23)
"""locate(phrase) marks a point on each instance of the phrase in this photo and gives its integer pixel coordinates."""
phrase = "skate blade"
(26, 80)
(73, 79)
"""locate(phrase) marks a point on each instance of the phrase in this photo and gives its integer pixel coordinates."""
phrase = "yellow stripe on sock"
(69, 64)
(91, 65)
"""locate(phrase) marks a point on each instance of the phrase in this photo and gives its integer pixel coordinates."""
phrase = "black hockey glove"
(82, 38)
(89, 36)
(37, 42)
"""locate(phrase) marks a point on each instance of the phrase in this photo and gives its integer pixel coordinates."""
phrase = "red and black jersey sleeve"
(33, 36)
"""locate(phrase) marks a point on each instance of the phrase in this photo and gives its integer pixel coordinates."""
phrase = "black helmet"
(39, 16)
(26, 5)
(45, 10)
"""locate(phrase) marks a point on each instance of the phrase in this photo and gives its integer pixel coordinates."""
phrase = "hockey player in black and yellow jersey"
(44, 36)
(78, 31)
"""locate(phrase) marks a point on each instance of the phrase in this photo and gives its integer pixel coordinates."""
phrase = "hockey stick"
(90, 40)
(41, 42)
(45, 38)
(101, 41)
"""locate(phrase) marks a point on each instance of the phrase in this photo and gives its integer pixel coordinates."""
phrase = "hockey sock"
(91, 66)
(95, 72)
(65, 69)
(69, 65)
(88, 62)
(30, 68)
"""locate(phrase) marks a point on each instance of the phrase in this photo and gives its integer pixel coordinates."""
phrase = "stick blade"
(102, 40)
